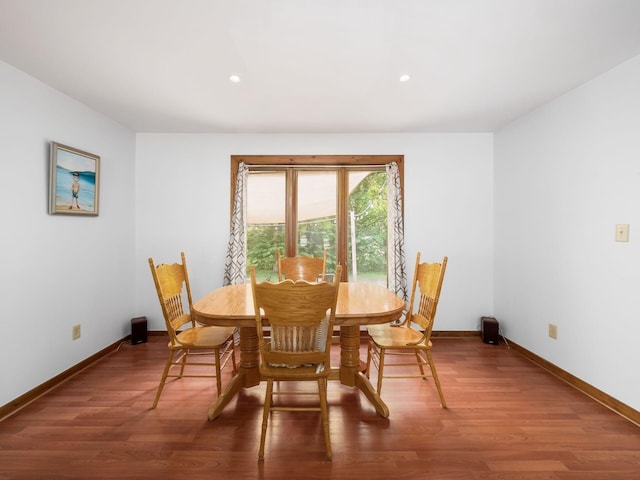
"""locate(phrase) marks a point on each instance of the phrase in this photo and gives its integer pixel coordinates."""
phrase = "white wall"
(182, 199)
(565, 175)
(58, 270)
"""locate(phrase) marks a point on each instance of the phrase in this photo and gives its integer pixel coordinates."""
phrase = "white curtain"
(236, 264)
(396, 263)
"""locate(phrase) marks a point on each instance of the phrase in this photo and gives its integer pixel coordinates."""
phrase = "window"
(304, 204)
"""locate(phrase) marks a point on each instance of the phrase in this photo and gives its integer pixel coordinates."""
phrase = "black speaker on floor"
(138, 330)
(490, 330)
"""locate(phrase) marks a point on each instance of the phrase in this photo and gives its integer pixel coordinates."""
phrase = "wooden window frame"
(283, 161)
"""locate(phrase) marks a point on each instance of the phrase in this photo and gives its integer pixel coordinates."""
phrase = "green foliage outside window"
(367, 201)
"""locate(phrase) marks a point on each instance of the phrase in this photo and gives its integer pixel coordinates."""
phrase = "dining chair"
(188, 340)
(410, 341)
(300, 314)
(302, 267)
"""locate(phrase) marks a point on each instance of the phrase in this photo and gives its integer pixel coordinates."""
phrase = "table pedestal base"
(350, 370)
(349, 373)
(248, 374)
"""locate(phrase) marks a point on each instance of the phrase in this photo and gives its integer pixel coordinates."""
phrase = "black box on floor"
(138, 330)
(490, 330)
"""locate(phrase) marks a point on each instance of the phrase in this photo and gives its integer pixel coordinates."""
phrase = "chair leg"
(184, 361)
(420, 362)
(268, 398)
(216, 353)
(164, 377)
(233, 358)
(368, 371)
(322, 390)
(435, 379)
(380, 369)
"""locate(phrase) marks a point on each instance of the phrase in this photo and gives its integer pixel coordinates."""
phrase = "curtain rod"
(285, 166)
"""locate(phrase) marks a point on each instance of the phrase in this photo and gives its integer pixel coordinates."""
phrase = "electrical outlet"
(553, 331)
(75, 332)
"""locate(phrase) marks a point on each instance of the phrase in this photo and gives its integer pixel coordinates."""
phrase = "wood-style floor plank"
(507, 419)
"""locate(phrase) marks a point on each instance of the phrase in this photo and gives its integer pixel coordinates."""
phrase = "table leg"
(230, 391)
(248, 374)
(350, 373)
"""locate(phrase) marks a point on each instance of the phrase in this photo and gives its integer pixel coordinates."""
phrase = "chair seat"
(398, 337)
(202, 337)
(293, 373)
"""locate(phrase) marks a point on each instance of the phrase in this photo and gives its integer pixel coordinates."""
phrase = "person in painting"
(75, 191)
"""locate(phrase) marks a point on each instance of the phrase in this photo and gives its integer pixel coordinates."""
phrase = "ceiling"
(316, 66)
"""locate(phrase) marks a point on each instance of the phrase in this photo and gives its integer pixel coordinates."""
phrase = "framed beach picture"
(74, 181)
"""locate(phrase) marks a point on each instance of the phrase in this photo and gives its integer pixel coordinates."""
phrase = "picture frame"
(74, 181)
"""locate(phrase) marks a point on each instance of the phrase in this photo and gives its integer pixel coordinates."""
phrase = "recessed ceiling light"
(234, 78)
(405, 78)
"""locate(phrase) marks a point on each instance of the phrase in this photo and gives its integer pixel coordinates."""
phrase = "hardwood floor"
(507, 419)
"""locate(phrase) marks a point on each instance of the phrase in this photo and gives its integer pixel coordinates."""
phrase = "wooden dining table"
(358, 304)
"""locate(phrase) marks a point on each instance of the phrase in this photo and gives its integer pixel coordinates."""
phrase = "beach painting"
(74, 180)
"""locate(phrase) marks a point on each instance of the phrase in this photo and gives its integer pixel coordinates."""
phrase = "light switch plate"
(622, 232)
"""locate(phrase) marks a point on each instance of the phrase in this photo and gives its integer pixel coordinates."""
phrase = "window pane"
(367, 227)
(317, 204)
(265, 221)
(365, 221)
